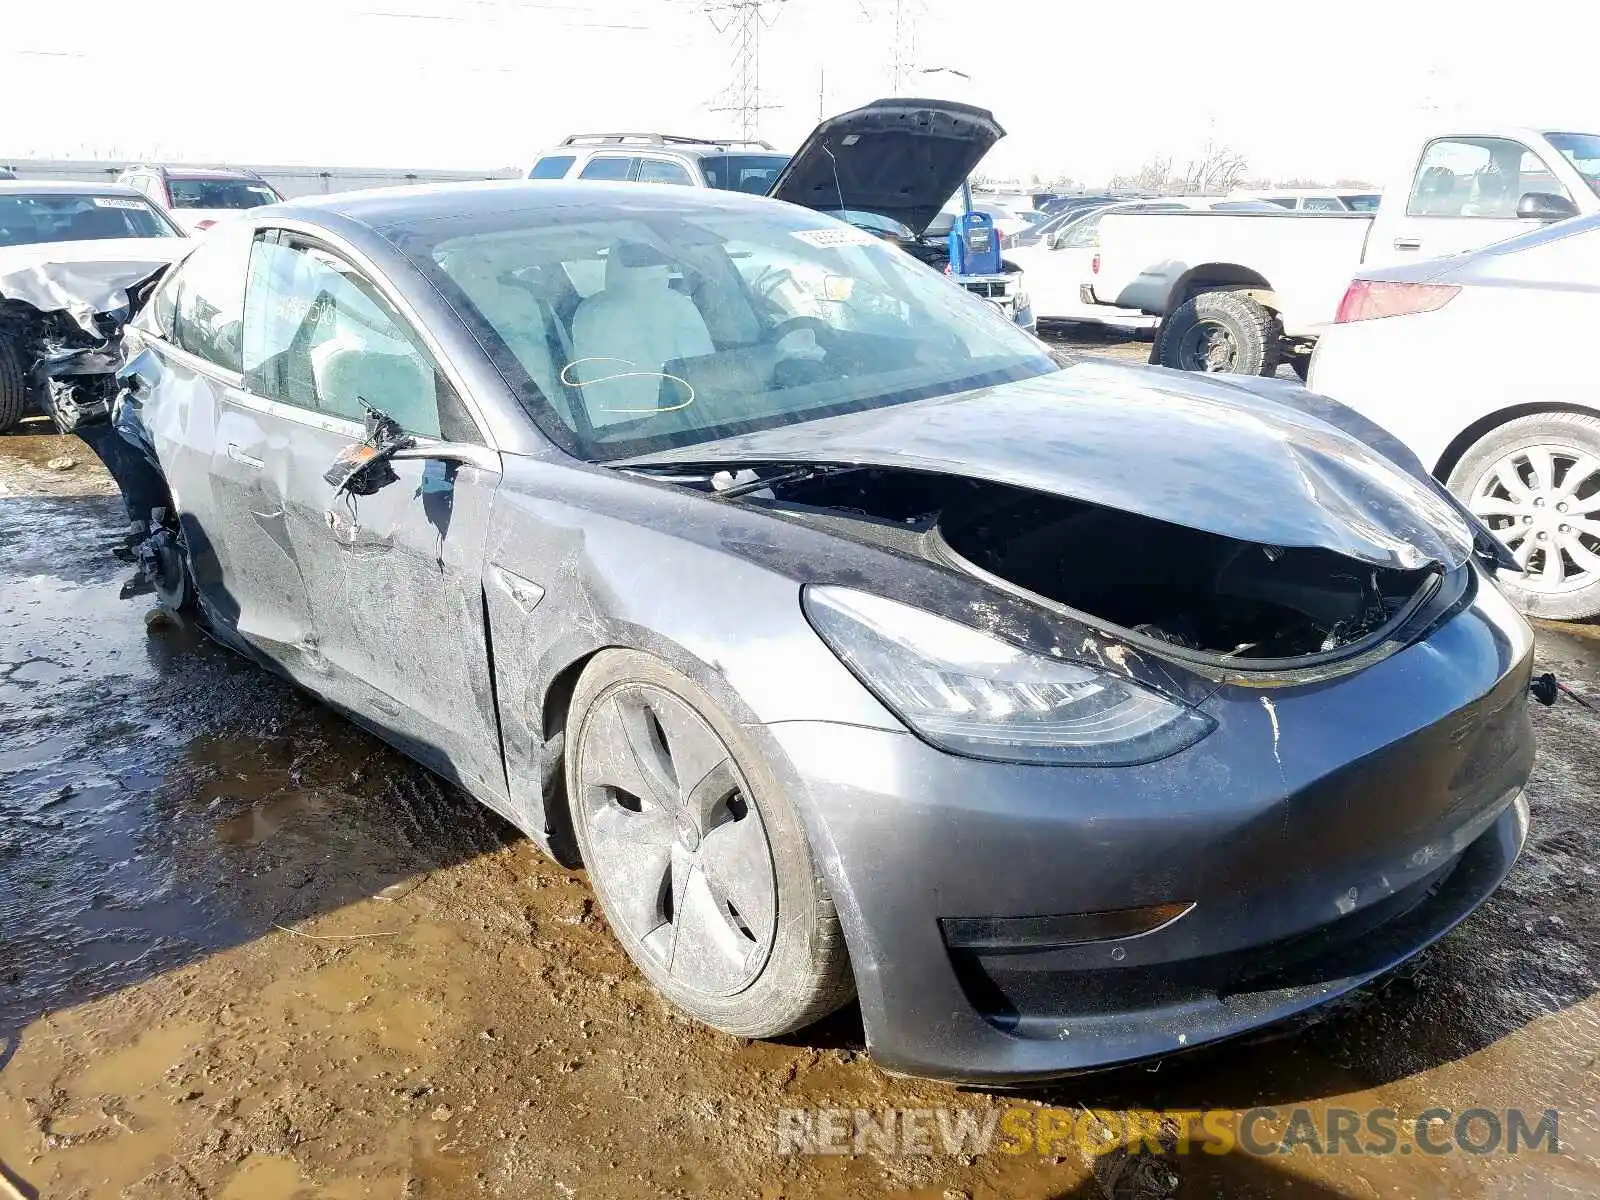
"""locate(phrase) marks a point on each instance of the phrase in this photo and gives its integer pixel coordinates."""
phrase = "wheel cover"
(1208, 346)
(1543, 502)
(677, 850)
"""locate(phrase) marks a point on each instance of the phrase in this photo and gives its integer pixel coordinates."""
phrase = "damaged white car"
(70, 255)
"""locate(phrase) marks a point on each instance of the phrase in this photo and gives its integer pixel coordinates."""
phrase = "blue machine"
(974, 245)
(974, 242)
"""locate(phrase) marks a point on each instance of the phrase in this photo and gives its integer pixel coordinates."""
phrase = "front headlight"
(971, 693)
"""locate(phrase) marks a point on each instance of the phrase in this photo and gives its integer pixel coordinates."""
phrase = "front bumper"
(1323, 833)
(1001, 291)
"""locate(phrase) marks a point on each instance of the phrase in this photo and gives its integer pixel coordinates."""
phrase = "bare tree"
(1216, 171)
(1154, 176)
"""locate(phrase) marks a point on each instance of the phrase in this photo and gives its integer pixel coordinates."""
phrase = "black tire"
(1566, 437)
(14, 400)
(806, 974)
(1301, 365)
(1251, 331)
(168, 566)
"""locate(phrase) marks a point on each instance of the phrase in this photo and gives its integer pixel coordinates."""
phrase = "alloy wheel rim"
(1210, 347)
(677, 848)
(1543, 502)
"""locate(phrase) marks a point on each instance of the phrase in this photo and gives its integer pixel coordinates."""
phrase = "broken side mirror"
(363, 469)
(1545, 206)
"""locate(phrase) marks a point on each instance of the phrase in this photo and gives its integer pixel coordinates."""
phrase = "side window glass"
(661, 170)
(607, 167)
(319, 336)
(552, 166)
(208, 317)
(1322, 204)
(1534, 176)
(1477, 177)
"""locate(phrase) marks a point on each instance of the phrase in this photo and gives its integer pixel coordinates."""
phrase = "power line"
(745, 19)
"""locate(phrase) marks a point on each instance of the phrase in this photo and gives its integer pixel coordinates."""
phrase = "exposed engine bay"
(1198, 592)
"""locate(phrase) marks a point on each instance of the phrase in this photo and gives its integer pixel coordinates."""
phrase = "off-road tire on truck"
(1517, 478)
(711, 856)
(1220, 331)
(13, 385)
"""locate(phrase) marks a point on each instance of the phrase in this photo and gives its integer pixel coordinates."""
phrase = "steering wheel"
(789, 325)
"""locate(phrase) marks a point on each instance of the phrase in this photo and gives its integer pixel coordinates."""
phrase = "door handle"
(1408, 243)
(243, 459)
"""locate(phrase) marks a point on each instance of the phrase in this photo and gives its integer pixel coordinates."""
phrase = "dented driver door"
(392, 581)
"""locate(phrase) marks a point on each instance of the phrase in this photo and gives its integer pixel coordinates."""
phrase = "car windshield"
(219, 193)
(27, 219)
(872, 222)
(634, 331)
(752, 173)
(1582, 150)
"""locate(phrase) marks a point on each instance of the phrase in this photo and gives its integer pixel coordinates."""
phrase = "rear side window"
(661, 170)
(208, 316)
(608, 167)
(552, 166)
(318, 335)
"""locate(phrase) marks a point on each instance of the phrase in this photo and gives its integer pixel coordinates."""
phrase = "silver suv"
(733, 166)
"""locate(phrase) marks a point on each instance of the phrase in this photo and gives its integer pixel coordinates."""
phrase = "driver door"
(392, 581)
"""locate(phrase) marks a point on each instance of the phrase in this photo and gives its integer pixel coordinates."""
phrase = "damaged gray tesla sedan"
(1068, 716)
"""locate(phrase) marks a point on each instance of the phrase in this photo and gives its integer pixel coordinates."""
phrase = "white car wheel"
(1535, 482)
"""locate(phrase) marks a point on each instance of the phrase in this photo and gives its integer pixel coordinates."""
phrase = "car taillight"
(1369, 299)
(1094, 265)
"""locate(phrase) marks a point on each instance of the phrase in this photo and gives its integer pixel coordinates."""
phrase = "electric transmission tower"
(745, 19)
(903, 56)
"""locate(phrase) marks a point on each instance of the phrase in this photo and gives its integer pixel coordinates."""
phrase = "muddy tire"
(1535, 482)
(700, 862)
(1220, 332)
(13, 386)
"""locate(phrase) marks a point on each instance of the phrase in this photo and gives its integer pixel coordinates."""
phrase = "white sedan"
(1058, 267)
(1476, 362)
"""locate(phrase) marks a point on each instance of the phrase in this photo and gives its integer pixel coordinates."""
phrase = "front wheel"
(1535, 482)
(700, 862)
(1220, 332)
(14, 400)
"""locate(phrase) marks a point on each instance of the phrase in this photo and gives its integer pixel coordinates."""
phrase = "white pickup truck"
(1245, 292)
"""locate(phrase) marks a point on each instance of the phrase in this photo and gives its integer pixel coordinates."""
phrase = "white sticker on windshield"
(842, 236)
(116, 202)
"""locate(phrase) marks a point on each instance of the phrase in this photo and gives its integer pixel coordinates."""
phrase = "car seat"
(624, 335)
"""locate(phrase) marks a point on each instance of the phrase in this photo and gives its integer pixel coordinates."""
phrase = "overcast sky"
(1087, 89)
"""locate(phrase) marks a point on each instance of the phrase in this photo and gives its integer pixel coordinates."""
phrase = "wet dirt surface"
(246, 951)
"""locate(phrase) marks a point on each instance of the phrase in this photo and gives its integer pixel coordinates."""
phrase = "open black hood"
(900, 159)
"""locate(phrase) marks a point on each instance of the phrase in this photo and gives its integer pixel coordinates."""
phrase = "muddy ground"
(248, 952)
